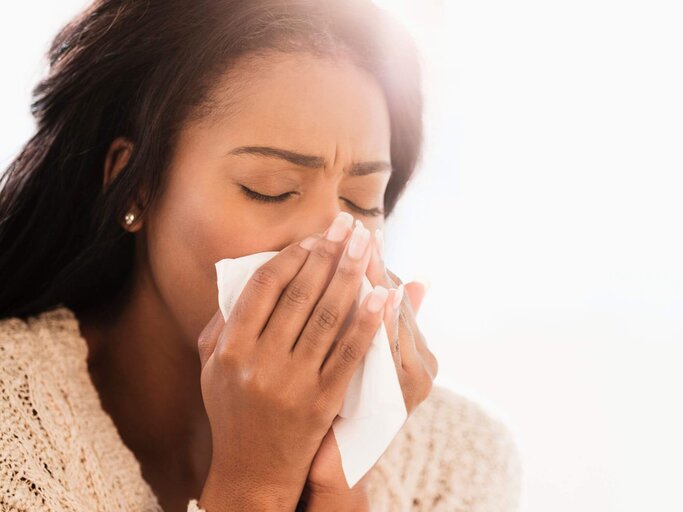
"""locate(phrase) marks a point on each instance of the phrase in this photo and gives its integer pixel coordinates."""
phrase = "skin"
(143, 354)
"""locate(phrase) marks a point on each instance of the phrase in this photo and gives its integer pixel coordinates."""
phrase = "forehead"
(304, 102)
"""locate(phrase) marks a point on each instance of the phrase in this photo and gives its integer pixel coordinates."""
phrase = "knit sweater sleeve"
(450, 455)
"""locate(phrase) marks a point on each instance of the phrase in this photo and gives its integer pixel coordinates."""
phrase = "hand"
(274, 375)
(416, 369)
(326, 488)
(416, 365)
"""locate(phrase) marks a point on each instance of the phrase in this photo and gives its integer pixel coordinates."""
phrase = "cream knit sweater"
(59, 449)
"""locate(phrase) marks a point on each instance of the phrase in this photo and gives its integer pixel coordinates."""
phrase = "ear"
(116, 159)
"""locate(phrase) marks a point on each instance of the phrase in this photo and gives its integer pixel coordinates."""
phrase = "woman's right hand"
(274, 375)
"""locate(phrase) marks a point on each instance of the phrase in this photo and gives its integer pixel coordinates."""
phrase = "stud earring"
(130, 217)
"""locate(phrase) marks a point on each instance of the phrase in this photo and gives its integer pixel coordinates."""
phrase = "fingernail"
(398, 296)
(308, 242)
(339, 227)
(378, 297)
(359, 241)
(379, 238)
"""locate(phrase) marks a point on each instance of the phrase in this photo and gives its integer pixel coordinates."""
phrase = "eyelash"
(374, 212)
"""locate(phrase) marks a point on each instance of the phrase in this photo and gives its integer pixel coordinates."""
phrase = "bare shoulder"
(453, 454)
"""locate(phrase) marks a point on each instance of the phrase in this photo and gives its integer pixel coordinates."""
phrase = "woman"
(172, 134)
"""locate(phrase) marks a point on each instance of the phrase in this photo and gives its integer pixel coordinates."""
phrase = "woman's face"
(319, 117)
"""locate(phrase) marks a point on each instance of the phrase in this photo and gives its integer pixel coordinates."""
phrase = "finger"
(414, 351)
(262, 291)
(394, 277)
(391, 318)
(410, 357)
(335, 305)
(428, 358)
(376, 272)
(294, 307)
(416, 292)
(349, 350)
(378, 275)
(411, 315)
(419, 343)
(399, 327)
(207, 339)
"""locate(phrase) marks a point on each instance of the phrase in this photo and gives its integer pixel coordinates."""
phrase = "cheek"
(197, 227)
(187, 233)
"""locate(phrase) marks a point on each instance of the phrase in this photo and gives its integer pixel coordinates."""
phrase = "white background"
(547, 215)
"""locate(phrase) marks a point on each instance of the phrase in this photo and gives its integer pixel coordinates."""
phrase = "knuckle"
(320, 409)
(265, 276)
(349, 351)
(326, 317)
(227, 357)
(253, 381)
(297, 294)
(240, 311)
(367, 322)
(309, 340)
(325, 250)
(348, 274)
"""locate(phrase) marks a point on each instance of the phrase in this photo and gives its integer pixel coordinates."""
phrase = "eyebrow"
(311, 161)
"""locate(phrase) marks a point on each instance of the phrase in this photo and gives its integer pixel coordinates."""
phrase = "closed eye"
(283, 197)
(269, 199)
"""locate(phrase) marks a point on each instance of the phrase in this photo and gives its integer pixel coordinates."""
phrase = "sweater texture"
(61, 451)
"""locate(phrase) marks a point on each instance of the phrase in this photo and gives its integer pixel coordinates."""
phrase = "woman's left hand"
(416, 368)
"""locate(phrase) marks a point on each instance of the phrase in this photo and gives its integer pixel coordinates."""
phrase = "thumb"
(416, 290)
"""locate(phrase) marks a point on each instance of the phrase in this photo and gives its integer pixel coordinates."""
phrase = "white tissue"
(373, 410)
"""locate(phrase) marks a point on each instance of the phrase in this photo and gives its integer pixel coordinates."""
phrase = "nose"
(317, 223)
